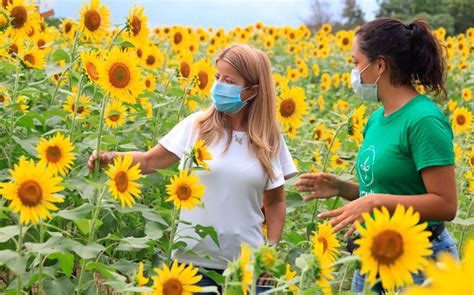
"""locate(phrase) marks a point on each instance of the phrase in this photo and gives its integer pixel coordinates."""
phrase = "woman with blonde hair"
(250, 160)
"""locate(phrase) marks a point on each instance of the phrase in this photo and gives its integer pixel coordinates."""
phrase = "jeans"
(207, 282)
(443, 243)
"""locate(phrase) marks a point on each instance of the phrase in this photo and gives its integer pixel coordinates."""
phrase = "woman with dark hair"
(407, 155)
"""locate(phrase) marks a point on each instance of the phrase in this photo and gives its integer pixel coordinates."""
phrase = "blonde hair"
(259, 120)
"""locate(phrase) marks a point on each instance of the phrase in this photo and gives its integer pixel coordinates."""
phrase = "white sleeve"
(283, 167)
(181, 138)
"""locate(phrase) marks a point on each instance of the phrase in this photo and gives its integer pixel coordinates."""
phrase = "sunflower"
(471, 158)
(90, 63)
(82, 110)
(141, 279)
(322, 267)
(115, 114)
(289, 275)
(137, 24)
(204, 74)
(291, 106)
(95, 20)
(147, 106)
(121, 184)
(178, 38)
(245, 269)
(448, 276)
(393, 247)
(266, 257)
(344, 39)
(56, 153)
(32, 190)
(24, 19)
(467, 94)
(179, 279)
(34, 58)
(43, 41)
(150, 82)
(327, 237)
(319, 132)
(201, 154)
(4, 97)
(68, 28)
(185, 190)
(4, 20)
(120, 76)
(152, 57)
(185, 66)
(461, 119)
(23, 104)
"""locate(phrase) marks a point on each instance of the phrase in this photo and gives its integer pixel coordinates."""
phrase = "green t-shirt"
(397, 147)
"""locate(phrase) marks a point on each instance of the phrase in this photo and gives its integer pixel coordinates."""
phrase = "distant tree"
(454, 15)
(352, 14)
(319, 15)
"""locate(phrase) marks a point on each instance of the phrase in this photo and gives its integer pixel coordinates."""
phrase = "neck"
(236, 120)
(393, 98)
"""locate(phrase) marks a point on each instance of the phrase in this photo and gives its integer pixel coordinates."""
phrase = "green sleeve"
(431, 143)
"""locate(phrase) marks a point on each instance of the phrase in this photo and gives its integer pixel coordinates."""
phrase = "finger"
(342, 224)
(309, 176)
(305, 182)
(350, 231)
(331, 213)
(305, 189)
(312, 197)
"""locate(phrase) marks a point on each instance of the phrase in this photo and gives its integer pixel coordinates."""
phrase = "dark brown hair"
(412, 52)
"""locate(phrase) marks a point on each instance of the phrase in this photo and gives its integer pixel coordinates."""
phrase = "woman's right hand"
(321, 185)
(106, 158)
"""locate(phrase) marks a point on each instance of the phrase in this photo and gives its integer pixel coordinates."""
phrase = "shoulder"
(424, 109)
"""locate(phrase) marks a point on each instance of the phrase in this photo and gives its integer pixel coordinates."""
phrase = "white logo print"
(365, 166)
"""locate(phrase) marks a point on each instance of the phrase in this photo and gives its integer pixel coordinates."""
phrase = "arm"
(324, 185)
(275, 210)
(439, 203)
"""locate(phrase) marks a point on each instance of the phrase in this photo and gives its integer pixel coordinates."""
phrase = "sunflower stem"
(72, 57)
(18, 249)
(12, 108)
(461, 239)
(174, 216)
(99, 137)
(40, 283)
(185, 95)
(77, 99)
(158, 121)
(115, 37)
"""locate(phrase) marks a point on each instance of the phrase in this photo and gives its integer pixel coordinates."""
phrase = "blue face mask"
(226, 97)
(365, 91)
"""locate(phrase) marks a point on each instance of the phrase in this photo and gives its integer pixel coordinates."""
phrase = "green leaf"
(8, 232)
(60, 54)
(76, 213)
(13, 261)
(153, 231)
(51, 246)
(85, 225)
(107, 271)
(465, 222)
(28, 144)
(58, 286)
(167, 172)
(132, 243)
(66, 262)
(204, 231)
(88, 252)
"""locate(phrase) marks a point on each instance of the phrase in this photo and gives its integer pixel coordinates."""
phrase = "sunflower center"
(178, 37)
(147, 83)
(139, 52)
(135, 25)
(53, 154)
(460, 119)
(30, 193)
(19, 15)
(324, 242)
(199, 155)
(121, 181)
(41, 43)
(119, 75)
(287, 107)
(29, 58)
(345, 41)
(387, 246)
(183, 192)
(114, 118)
(92, 70)
(185, 69)
(203, 79)
(318, 134)
(67, 28)
(79, 110)
(150, 60)
(92, 20)
(172, 287)
(471, 160)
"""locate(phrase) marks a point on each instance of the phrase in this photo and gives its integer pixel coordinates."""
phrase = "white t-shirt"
(233, 197)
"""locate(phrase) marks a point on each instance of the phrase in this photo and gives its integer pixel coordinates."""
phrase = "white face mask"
(365, 91)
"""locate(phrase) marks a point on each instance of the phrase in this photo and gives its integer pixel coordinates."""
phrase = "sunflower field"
(92, 85)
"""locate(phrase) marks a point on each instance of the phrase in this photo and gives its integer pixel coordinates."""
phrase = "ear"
(382, 65)
(252, 92)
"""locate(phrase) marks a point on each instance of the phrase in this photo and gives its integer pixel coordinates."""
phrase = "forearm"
(349, 190)
(275, 214)
(430, 206)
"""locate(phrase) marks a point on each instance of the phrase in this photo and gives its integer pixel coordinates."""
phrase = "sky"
(215, 13)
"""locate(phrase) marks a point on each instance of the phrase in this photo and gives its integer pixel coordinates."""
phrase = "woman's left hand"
(349, 213)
